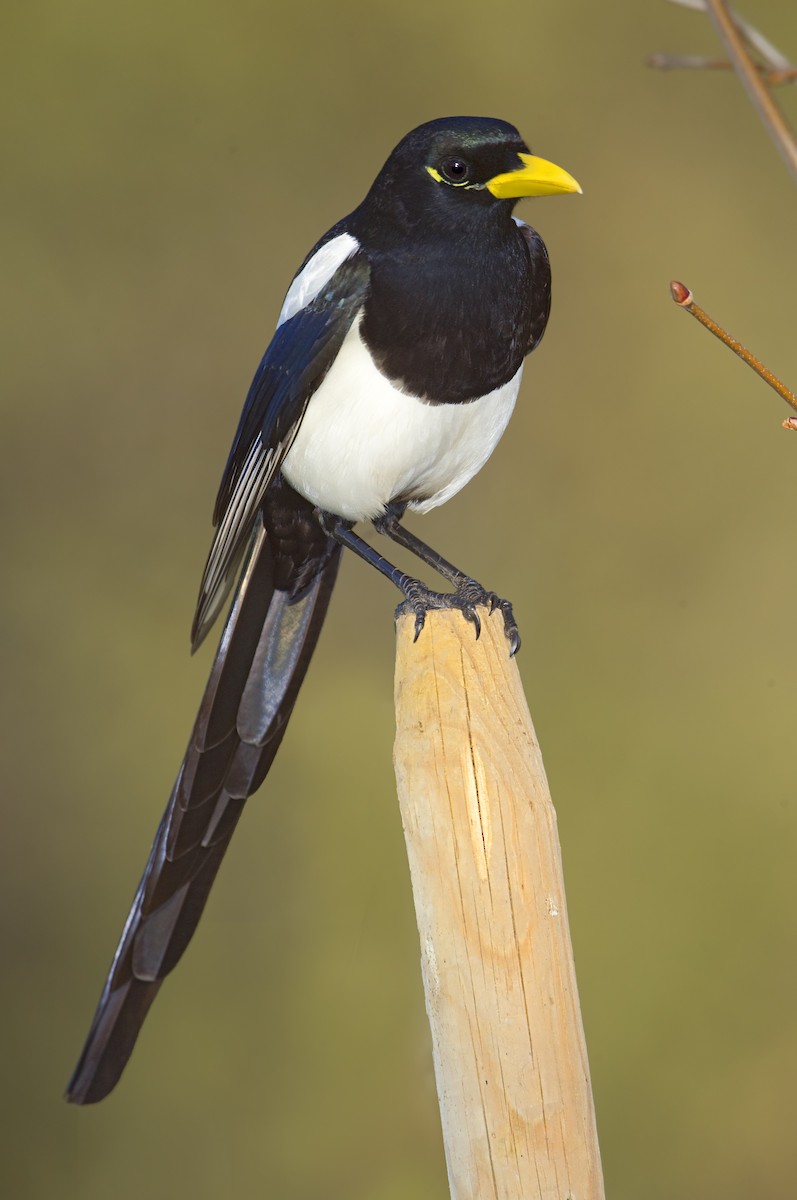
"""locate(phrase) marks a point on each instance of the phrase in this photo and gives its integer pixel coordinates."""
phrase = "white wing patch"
(247, 492)
(316, 274)
(223, 557)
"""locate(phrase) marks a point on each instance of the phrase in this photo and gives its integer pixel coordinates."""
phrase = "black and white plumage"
(391, 377)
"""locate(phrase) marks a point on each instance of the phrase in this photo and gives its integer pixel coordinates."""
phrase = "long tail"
(266, 646)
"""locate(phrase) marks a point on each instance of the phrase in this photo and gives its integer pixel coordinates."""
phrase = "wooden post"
(509, 1051)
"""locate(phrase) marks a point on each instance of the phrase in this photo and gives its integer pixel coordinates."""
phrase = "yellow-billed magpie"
(391, 376)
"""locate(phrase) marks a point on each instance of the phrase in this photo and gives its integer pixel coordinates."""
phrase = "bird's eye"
(455, 170)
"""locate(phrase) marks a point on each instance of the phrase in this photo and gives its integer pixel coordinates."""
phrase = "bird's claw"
(510, 624)
(420, 600)
(476, 594)
(420, 621)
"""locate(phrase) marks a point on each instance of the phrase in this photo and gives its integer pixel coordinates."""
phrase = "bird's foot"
(421, 600)
(476, 594)
(468, 596)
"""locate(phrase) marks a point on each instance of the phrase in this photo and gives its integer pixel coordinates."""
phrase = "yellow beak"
(537, 177)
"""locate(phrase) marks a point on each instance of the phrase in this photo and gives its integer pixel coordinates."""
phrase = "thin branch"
(754, 38)
(768, 110)
(697, 62)
(683, 297)
(737, 35)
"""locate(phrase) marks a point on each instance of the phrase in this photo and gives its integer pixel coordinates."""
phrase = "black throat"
(450, 310)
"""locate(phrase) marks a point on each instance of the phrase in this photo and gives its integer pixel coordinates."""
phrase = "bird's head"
(457, 166)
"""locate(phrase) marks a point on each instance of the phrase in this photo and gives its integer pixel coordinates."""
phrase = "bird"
(390, 378)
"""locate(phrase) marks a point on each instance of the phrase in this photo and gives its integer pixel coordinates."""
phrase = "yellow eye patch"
(438, 178)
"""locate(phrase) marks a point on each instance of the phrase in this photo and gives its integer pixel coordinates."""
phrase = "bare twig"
(682, 296)
(697, 62)
(737, 35)
(768, 110)
(686, 62)
(785, 75)
(755, 40)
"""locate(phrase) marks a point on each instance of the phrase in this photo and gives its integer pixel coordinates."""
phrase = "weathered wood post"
(509, 1051)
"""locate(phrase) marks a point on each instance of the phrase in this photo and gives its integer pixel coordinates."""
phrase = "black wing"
(540, 284)
(299, 356)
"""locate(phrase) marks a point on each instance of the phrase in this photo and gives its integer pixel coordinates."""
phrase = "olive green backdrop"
(165, 168)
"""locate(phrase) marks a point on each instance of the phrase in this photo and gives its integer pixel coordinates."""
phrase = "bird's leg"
(467, 591)
(419, 598)
(389, 525)
(343, 533)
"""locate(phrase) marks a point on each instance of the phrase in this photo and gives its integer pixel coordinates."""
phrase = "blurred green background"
(166, 167)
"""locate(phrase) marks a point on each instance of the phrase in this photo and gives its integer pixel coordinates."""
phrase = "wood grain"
(509, 1051)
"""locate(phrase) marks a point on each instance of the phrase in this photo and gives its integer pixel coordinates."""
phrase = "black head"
(454, 167)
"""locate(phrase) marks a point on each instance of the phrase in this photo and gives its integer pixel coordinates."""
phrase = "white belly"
(363, 443)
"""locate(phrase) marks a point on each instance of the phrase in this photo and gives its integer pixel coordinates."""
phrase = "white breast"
(363, 442)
